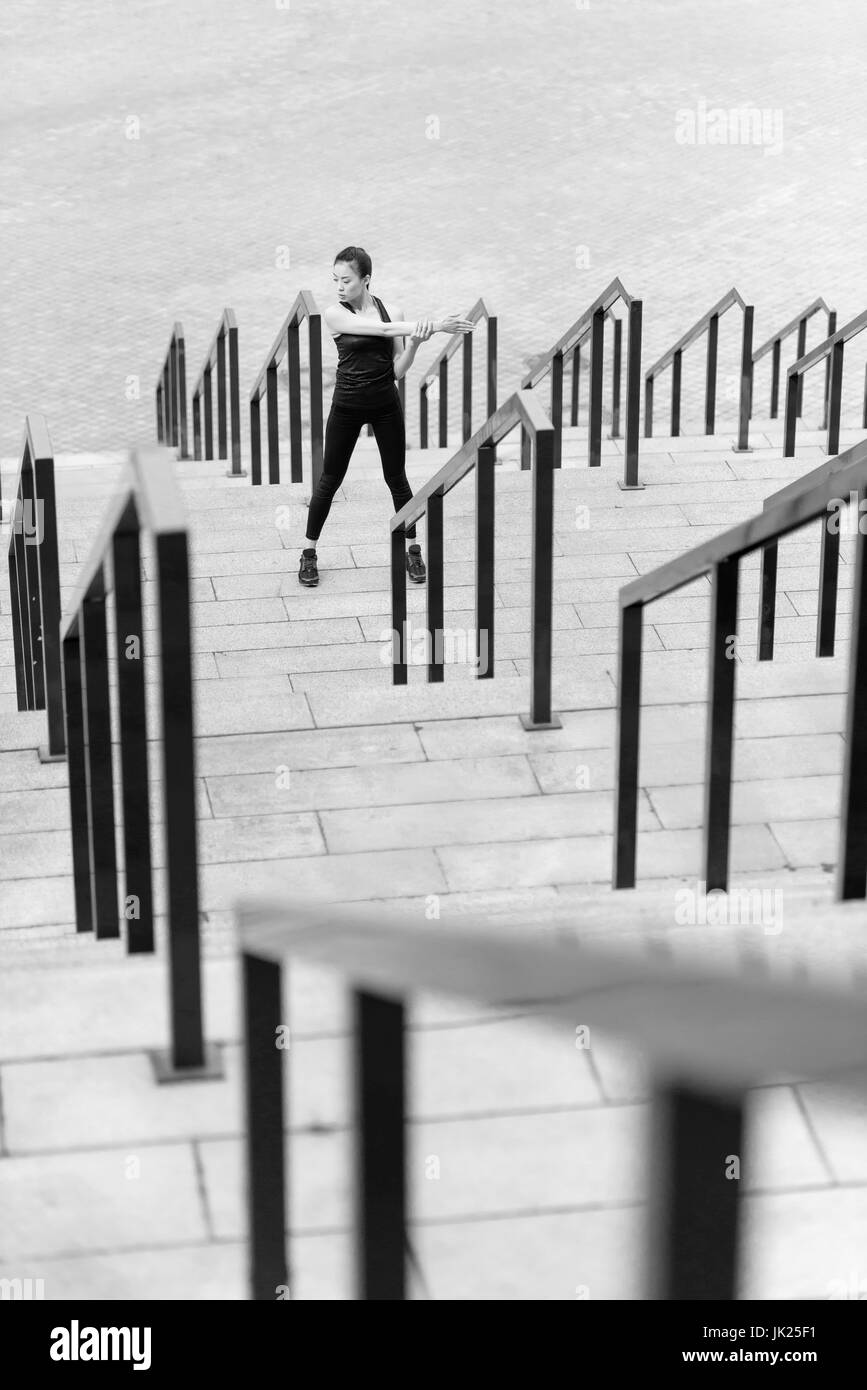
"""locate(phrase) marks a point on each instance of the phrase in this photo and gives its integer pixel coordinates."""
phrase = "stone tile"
(100, 1200)
(398, 784)
(211, 1271)
(309, 748)
(790, 799)
(808, 842)
(498, 696)
(294, 633)
(343, 877)
(839, 1122)
(474, 822)
(571, 1255)
(319, 1197)
(805, 1245)
(588, 859)
(780, 1151)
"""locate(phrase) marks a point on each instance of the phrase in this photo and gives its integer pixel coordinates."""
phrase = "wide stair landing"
(430, 799)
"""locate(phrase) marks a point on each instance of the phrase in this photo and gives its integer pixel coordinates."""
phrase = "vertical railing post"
(768, 603)
(676, 363)
(314, 352)
(492, 365)
(26, 513)
(179, 783)
(15, 598)
(597, 348)
(467, 388)
(222, 394)
(380, 1117)
(799, 353)
(173, 392)
(576, 385)
(745, 396)
(542, 562)
(98, 764)
(197, 423)
(829, 563)
(293, 362)
(485, 516)
(159, 404)
(273, 422)
(434, 522)
(422, 416)
(235, 403)
(45, 504)
(693, 1238)
(720, 722)
(633, 395)
(852, 856)
(710, 374)
(265, 1127)
(835, 396)
(255, 441)
(557, 406)
(648, 407)
(628, 721)
(79, 814)
(132, 706)
(775, 379)
(864, 405)
(526, 449)
(183, 451)
(209, 414)
(444, 402)
(791, 422)
(826, 398)
(398, 607)
(615, 379)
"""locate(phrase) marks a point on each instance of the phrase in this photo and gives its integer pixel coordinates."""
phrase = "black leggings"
(341, 435)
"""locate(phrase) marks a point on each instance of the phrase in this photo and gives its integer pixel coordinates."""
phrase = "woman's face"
(348, 282)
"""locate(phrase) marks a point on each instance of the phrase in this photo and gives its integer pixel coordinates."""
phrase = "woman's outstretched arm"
(405, 350)
(341, 320)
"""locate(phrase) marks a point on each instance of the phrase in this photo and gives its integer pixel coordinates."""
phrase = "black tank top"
(365, 369)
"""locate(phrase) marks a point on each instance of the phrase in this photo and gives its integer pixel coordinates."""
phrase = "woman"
(373, 356)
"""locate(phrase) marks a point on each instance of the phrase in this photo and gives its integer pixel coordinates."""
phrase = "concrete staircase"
(430, 799)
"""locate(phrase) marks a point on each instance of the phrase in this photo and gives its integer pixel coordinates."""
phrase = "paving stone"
(470, 822)
(100, 1200)
(794, 798)
(391, 784)
(588, 859)
(301, 749)
(205, 1271)
(345, 877)
(808, 842)
(839, 1124)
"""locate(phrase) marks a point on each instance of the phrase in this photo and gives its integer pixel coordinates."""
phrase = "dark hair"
(357, 257)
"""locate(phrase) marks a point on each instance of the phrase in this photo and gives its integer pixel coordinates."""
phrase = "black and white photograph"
(433, 666)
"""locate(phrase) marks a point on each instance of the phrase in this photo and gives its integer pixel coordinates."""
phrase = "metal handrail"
(228, 397)
(830, 351)
(721, 557)
(148, 498)
(592, 324)
(287, 343)
(708, 323)
(34, 586)
(439, 371)
(522, 408)
(829, 562)
(773, 345)
(171, 395)
(735, 1031)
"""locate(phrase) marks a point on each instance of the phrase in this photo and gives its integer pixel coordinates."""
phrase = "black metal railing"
(522, 408)
(720, 558)
(287, 344)
(148, 498)
(829, 559)
(709, 324)
(831, 353)
(171, 396)
(34, 586)
(438, 372)
(223, 358)
(735, 1032)
(591, 325)
(774, 347)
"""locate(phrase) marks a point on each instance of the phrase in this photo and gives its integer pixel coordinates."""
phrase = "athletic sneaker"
(415, 565)
(307, 572)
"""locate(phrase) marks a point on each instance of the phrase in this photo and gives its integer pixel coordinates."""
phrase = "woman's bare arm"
(341, 320)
